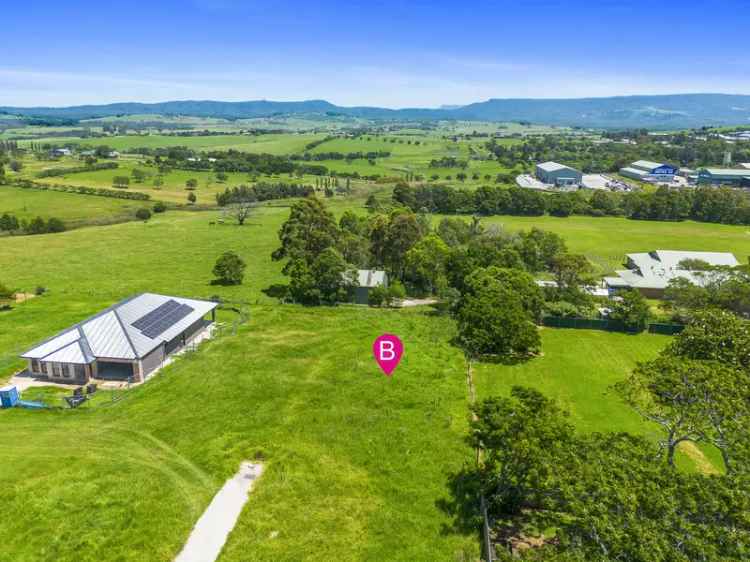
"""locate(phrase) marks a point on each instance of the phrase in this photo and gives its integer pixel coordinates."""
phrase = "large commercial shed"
(651, 272)
(645, 170)
(126, 341)
(724, 176)
(553, 173)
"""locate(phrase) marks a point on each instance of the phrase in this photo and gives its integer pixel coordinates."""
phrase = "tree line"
(52, 172)
(705, 204)
(38, 225)
(262, 191)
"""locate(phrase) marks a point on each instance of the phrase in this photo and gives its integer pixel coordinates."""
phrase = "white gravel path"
(212, 529)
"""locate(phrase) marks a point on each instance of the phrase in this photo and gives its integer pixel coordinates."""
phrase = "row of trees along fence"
(608, 325)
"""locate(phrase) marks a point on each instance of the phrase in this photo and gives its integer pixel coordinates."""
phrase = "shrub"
(229, 269)
(5, 292)
(39, 291)
(159, 207)
(143, 214)
(55, 225)
(377, 296)
(191, 197)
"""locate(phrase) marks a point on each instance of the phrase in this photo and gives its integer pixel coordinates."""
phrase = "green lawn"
(74, 209)
(606, 240)
(357, 464)
(282, 143)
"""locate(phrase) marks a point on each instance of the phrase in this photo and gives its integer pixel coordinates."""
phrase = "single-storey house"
(57, 152)
(651, 272)
(366, 280)
(553, 173)
(126, 341)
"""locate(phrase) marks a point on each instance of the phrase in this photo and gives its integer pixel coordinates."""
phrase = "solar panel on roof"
(167, 321)
(156, 314)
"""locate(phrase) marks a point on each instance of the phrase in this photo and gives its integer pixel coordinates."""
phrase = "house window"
(56, 372)
(66, 370)
(79, 371)
(35, 366)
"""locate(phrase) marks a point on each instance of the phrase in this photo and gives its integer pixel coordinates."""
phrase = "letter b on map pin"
(388, 350)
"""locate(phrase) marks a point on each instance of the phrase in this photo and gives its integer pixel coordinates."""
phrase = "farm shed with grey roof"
(366, 280)
(128, 340)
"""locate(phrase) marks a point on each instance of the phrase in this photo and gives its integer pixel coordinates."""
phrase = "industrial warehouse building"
(650, 273)
(553, 173)
(724, 176)
(645, 170)
(126, 341)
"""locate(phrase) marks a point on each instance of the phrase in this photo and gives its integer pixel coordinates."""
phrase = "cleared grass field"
(283, 143)
(357, 465)
(72, 208)
(606, 240)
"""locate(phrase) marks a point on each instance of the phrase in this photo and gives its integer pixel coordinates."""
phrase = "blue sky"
(392, 54)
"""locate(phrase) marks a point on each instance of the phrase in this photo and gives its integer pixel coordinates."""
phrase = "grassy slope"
(284, 143)
(29, 203)
(357, 463)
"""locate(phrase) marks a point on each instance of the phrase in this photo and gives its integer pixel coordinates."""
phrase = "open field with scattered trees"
(574, 429)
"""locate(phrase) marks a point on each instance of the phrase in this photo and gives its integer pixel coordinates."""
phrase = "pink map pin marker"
(388, 350)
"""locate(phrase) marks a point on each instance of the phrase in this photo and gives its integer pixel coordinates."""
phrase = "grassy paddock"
(72, 208)
(357, 464)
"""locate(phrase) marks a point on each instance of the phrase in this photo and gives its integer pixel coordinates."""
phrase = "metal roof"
(654, 270)
(648, 165)
(554, 166)
(726, 172)
(110, 334)
(370, 278)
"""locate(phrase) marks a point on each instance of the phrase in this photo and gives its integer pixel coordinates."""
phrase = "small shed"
(368, 279)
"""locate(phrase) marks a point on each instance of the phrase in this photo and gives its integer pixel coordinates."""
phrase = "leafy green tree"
(191, 198)
(55, 225)
(492, 321)
(403, 232)
(524, 437)
(573, 273)
(519, 282)
(229, 269)
(309, 230)
(191, 183)
(9, 223)
(632, 310)
(36, 225)
(143, 214)
(16, 165)
(159, 207)
(121, 182)
(426, 261)
(138, 175)
(454, 231)
(538, 249)
(326, 280)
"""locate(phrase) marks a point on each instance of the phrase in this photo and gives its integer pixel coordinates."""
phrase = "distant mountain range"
(653, 112)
